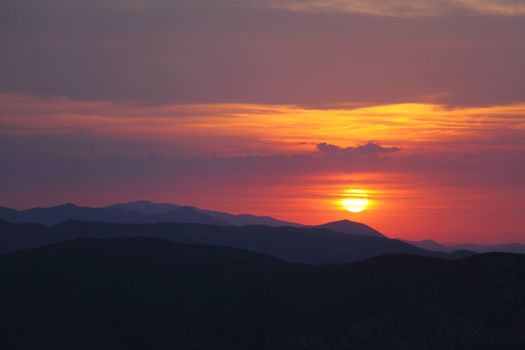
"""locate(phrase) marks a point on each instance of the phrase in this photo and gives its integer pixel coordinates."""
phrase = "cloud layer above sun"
(406, 8)
(248, 129)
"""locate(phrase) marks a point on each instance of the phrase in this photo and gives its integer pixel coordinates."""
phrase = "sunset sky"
(271, 107)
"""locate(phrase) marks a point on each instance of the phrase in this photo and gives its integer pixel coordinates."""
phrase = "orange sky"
(451, 173)
(273, 108)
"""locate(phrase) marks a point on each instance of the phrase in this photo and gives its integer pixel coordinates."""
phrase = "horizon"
(445, 243)
(406, 116)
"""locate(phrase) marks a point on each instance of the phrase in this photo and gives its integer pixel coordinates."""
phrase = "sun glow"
(356, 200)
(355, 205)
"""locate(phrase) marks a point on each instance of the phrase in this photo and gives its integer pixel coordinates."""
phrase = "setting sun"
(355, 205)
(356, 200)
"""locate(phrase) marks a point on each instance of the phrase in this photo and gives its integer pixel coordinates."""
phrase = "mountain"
(7, 213)
(490, 248)
(429, 244)
(62, 213)
(315, 246)
(352, 227)
(147, 207)
(248, 219)
(516, 248)
(145, 293)
(186, 214)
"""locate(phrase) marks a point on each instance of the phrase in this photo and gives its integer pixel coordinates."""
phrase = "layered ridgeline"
(151, 294)
(140, 212)
(293, 244)
(148, 212)
(134, 213)
(516, 248)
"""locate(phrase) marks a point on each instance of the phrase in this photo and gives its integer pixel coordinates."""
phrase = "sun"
(355, 205)
(355, 200)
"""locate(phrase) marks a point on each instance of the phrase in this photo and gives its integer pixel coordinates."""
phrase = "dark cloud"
(248, 51)
(370, 148)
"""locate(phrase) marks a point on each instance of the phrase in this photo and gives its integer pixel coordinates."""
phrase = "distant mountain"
(186, 214)
(147, 207)
(315, 246)
(248, 219)
(429, 244)
(516, 248)
(352, 227)
(151, 294)
(490, 248)
(62, 213)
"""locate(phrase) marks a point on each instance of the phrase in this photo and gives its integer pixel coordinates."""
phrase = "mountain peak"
(346, 221)
(142, 201)
(351, 227)
(66, 205)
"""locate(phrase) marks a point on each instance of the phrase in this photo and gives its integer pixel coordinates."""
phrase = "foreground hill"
(151, 294)
(314, 246)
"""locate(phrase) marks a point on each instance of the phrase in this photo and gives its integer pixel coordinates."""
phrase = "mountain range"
(142, 212)
(515, 248)
(144, 293)
(135, 212)
(292, 244)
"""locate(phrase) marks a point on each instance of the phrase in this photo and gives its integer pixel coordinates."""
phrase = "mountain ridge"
(145, 206)
(301, 245)
(351, 227)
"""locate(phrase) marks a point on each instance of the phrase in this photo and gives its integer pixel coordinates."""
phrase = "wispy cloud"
(240, 129)
(370, 149)
(406, 8)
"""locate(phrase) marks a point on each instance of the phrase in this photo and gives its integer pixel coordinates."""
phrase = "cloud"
(370, 149)
(247, 129)
(406, 8)
(243, 51)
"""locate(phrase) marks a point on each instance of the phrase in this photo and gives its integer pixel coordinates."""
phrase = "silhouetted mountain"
(490, 248)
(152, 294)
(515, 248)
(429, 244)
(292, 244)
(248, 219)
(6, 213)
(62, 213)
(186, 214)
(352, 227)
(147, 207)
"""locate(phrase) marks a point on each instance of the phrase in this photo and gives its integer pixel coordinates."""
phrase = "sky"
(275, 107)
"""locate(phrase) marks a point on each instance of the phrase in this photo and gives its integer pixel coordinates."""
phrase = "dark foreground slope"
(315, 246)
(153, 294)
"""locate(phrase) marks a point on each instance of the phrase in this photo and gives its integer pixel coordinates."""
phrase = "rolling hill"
(352, 227)
(138, 293)
(315, 246)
